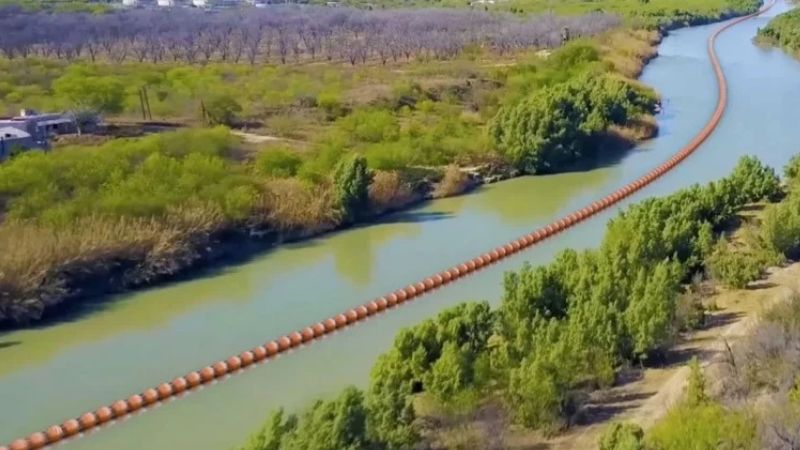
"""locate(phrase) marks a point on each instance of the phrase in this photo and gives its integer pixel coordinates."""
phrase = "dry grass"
(636, 130)
(292, 205)
(629, 50)
(454, 182)
(388, 192)
(38, 264)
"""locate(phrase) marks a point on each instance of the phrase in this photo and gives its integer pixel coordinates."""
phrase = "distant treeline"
(281, 34)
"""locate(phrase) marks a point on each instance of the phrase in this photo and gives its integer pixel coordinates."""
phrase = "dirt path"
(645, 396)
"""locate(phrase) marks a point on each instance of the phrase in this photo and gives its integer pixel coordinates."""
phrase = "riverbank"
(782, 31)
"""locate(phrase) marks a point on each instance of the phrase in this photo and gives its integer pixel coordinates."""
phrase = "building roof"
(13, 133)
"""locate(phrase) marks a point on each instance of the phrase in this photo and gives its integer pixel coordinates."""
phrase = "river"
(115, 348)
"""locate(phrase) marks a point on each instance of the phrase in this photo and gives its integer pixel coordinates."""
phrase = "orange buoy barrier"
(208, 374)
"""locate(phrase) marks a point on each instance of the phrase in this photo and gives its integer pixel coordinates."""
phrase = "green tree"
(88, 95)
(735, 267)
(792, 169)
(451, 373)
(536, 395)
(390, 409)
(278, 163)
(551, 128)
(222, 109)
(351, 180)
(650, 314)
(755, 181)
(271, 436)
(696, 384)
(780, 226)
(622, 436)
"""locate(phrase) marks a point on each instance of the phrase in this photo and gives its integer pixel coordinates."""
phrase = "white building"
(130, 3)
(165, 3)
(199, 3)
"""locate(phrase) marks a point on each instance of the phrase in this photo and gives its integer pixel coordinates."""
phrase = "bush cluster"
(564, 328)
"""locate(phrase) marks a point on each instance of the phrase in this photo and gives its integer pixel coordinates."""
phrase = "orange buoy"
(55, 434)
(259, 353)
(37, 440)
(330, 325)
(391, 299)
(234, 363)
(401, 296)
(194, 379)
(295, 339)
(220, 368)
(351, 315)
(501, 252)
(372, 307)
(207, 374)
(284, 343)
(272, 347)
(248, 358)
(135, 402)
(428, 283)
(361, 312)
(447, 276)
(119, 408)
(104, 414)
(438, 280)
(382, 303)
(179, 385)
(71, 427)
(471, 266)
(420, 287)
(150, 396)
(307, 334)
(494, 254)
(164, 390)
(20, 444)
(319, 329)
(464, 269)
(88, 421)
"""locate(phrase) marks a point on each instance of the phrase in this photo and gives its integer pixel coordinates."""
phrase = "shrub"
(707, 426)
(351, 185)
(551, 129)
(367, 125)
(780, 226)
(222, 109)
(736, 268)
(278, 163)
(454, 182)
(331, 105)
(388, 191)
(622, 436)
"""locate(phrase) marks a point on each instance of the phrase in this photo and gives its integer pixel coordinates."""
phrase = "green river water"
(121, 346)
